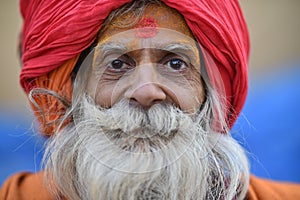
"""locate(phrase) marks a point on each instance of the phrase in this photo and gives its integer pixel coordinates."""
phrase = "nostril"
(146, 95)
(156, 101)
(133, 102)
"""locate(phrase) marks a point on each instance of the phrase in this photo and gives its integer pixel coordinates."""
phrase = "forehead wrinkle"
(119, 47)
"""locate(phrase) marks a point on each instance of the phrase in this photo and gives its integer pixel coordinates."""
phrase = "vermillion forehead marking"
(146, 28)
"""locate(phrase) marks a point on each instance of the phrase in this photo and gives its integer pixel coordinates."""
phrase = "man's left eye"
(176, 64)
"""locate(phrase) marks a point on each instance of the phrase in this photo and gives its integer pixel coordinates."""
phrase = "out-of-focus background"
(269, 126)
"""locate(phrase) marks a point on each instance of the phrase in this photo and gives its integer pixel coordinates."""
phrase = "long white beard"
(128, 153)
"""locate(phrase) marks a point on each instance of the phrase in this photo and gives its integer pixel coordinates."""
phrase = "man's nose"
(146, 89)
(147, 95)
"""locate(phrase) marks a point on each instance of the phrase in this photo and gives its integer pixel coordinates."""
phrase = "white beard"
(126, 152)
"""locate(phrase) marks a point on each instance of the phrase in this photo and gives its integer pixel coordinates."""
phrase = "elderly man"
(138, 98)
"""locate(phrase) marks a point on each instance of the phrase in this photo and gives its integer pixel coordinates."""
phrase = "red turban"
(58, 30)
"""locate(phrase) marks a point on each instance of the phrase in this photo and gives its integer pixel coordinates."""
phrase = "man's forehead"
(147, 24)
(164, 39)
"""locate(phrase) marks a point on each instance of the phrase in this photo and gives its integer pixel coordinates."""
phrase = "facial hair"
(127, 152)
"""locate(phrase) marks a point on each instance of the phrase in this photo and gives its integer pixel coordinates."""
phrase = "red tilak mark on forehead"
(146, 28)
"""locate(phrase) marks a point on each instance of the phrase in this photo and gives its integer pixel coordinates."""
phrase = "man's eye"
(176, 64)
(117, 64)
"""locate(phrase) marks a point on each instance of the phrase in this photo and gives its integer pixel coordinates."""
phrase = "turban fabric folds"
(55, 32)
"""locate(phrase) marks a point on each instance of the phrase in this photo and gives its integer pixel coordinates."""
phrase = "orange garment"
(272, 190)
(27, 186)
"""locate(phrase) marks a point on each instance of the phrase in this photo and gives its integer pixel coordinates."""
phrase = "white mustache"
(162, 119)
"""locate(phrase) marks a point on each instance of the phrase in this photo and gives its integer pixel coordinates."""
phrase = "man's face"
(152, 61)
(145, 142)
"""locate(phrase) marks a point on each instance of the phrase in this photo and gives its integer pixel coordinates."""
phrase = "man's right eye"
(117, 64)
(121, 64)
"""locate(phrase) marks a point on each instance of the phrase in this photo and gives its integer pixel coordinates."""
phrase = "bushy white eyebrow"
(111, 47)
(187, 50)
(178, 46)
(108, 48)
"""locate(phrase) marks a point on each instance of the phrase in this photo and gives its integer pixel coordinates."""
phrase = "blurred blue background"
(20, 149)
(268, 128)
(269, 125)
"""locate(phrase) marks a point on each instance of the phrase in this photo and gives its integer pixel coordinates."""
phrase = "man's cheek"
(103, 96)
(110, 92)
